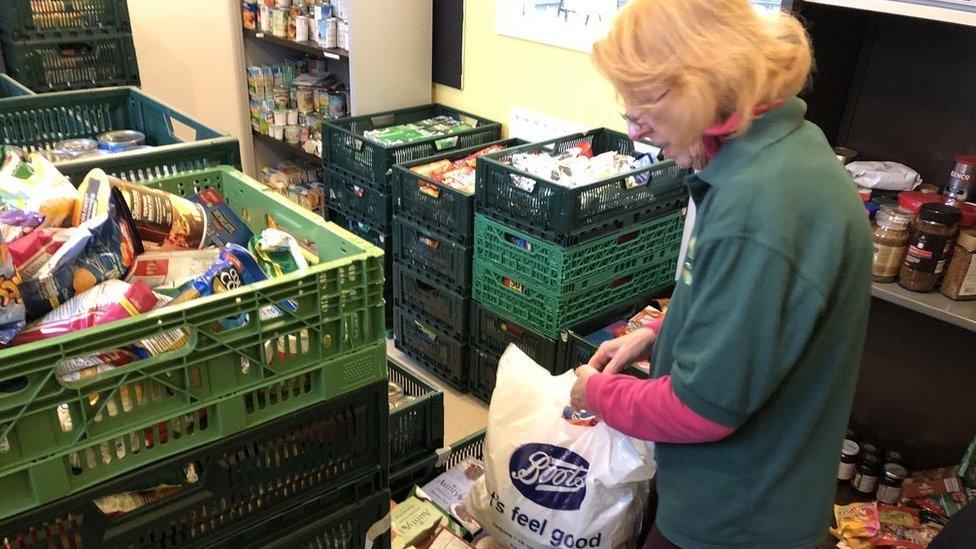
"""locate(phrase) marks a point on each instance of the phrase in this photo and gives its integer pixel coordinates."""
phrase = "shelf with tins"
(933, 304)
(960, 12)
(290, 148)
(365, 69)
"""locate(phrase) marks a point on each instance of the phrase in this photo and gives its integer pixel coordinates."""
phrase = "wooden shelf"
(933, 304)
(308, 47)
(960, 13)
(295, 150)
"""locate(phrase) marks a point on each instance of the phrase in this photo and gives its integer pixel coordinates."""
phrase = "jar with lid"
(960, 278)
(893, 456)
(890, 243)
(848, 460)
(889, 489)
(866, 476)
(924, 262)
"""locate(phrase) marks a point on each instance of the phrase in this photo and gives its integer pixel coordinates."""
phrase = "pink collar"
(716, 135)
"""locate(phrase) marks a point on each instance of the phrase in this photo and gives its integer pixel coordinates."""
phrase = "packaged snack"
(114, 505)
(39, 187)
(94, 198)
(165, 220)
(92, 254)
(450, 489)
(83, 311)
(223, 225)
(171, 269)
(15, 224)
(277, 252)
(12, 312)
(900, 527)
(34, 250)
(857, 520)
(927, 488)
(78, 368)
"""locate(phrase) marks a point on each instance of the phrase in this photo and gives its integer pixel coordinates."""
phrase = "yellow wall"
(501, 72)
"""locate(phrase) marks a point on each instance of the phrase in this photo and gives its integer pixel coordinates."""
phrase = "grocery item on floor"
(884, 176)
(37, 186)
(542, 469)
(459, 175)
(12, 311)
(223, 225)
(450, 490)
(402, 134)
(577, 166)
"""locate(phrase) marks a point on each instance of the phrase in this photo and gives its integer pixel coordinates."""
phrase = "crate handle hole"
(518, 242)
(627, 237)
(11, 386)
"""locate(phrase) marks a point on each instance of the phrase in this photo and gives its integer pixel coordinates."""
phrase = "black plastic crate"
(482, 372)
(378, 238)
(428, 251)
(417, 426)
(350, 194)
(419, 293)
(570, 215)
(21, 19)
(322, 524)
(73, 62)
(425, 470)
(441, 354)
(329, 452)
(492, 334)
(434, 205)
(345, 146)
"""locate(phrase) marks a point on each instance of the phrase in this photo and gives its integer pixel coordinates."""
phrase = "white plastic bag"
(884, 176)
(549, 482)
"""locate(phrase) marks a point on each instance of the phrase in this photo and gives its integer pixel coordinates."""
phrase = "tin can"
(121, 140)
(301, 29)
(77, 145)
(960, 184)
(292, 133)
(279, 22)
(264, 19)
(292, 115)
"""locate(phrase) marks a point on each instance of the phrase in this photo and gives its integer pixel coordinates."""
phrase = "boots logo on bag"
(550, 476)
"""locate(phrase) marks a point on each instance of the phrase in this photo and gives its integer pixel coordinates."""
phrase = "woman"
(755, 365)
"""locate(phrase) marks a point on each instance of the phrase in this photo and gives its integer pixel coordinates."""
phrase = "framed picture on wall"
(570, 24)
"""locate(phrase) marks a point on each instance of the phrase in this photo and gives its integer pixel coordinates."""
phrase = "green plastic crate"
(96, 458)
(482, 373)
(73, 62)
(569, 269)
(570, 215)
(432, 253)
(417, 426)
(51, 19)
(441, 354)
(345, 146)
(340, 310)
(12, 88)
(544, 311)
(37, 122)
(433, 204)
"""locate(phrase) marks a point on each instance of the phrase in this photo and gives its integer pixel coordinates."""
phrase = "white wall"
(191, 56)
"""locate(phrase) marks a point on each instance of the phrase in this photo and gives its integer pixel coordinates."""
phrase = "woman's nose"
(635, 131)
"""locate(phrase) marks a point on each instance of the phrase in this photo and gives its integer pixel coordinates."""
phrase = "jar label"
(968, 286)
(845, 471)
(887, 260)
(925, 252)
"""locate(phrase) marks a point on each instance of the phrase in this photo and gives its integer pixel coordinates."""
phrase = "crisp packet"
(92, 254)
(900, 527)
(84, 310)
(37, 186)
(16, 224)
(857, 520)
(171, 269)
(12, 312)
(277, 252)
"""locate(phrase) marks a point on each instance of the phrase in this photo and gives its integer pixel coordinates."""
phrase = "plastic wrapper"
(223, 225)
(15, 224)
(37, 186)
(34, 250)
(12, 311)
(78, 368)
(857, 523)
(574, 168)
(416, 131)
(277, 252)
(884, 176)
(78, 313)
(170, 270)
(900, 527)
(163, 220)
(91, 255)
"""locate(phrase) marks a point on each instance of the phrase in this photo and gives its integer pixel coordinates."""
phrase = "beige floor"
(463, 414)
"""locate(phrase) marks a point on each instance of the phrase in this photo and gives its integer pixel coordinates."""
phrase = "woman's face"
(651, 122)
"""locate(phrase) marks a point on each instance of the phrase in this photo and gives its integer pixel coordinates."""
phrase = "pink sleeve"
(648, 409)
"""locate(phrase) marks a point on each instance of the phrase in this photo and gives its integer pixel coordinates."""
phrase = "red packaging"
(914, 200)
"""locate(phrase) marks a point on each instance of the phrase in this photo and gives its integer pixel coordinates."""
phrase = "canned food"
(121, 140)
(76, 145)
(55, 155)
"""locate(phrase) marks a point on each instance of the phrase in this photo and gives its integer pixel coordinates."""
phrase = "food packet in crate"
(12, 312)
(551, 481)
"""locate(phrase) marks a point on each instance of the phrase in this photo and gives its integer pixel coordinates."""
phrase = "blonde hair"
(715, 58)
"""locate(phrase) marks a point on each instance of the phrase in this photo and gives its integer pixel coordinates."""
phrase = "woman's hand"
(577, 396)
(617, 353)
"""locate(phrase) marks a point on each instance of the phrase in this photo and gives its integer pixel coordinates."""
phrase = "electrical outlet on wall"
(535, 126)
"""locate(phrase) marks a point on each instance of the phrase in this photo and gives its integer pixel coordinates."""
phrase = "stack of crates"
(278, 427)
(548, 257)
(434, 233)
(359, 171)
(54, 46)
